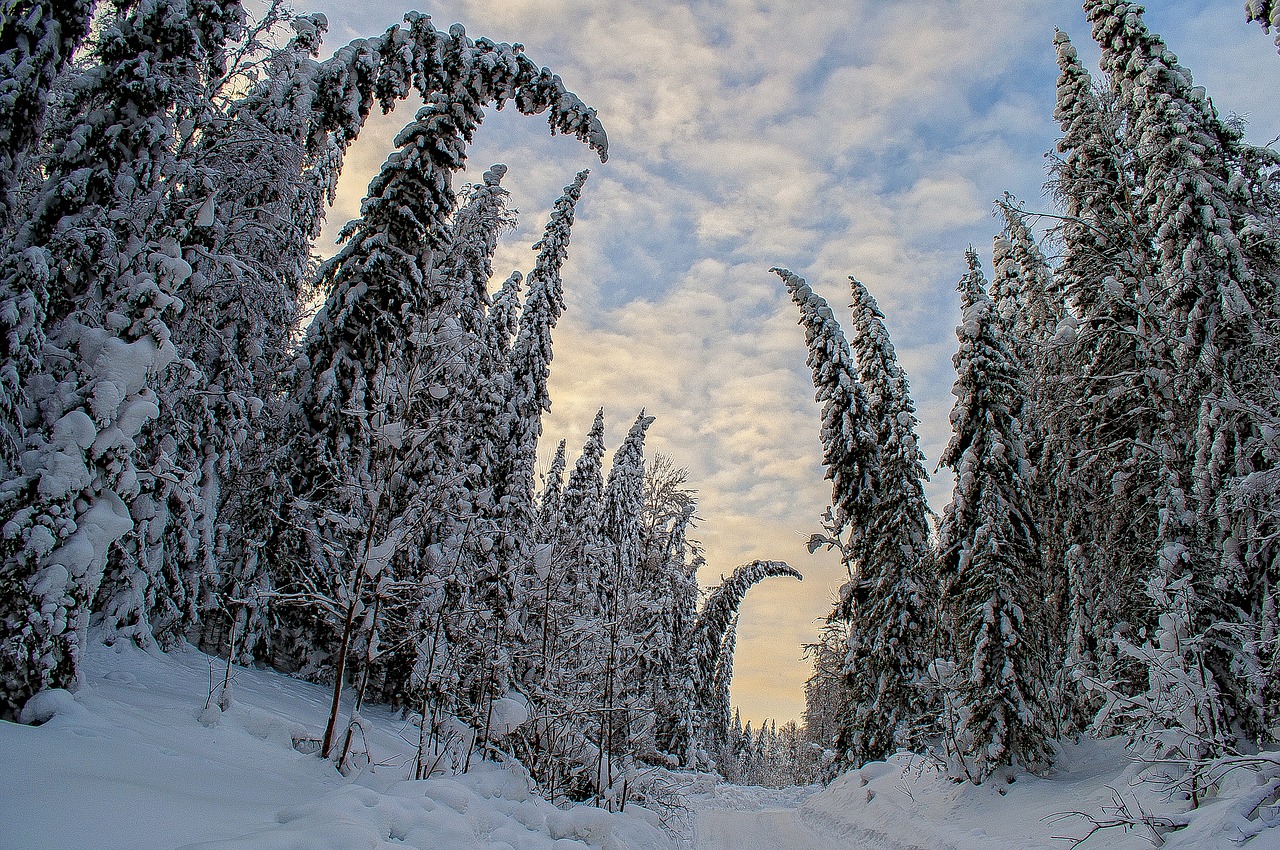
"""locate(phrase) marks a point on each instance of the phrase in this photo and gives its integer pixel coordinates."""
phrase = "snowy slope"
(126, 763)
(897, 805)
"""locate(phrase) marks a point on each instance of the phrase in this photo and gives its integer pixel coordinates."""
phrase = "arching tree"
(709, 653)
(148, 78)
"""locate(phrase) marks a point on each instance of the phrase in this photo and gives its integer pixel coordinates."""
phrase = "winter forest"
(323, 485)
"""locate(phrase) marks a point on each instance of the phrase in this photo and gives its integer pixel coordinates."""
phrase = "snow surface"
(134, 759)
(901, 805)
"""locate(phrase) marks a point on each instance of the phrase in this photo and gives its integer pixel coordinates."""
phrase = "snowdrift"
(135, 760)
(902, 804)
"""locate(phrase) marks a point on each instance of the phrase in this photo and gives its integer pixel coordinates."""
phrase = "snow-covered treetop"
(531, 356)
(1265, 13)
(584, 491)
(720, 610)
(902, 510)
(1023, 285)
(467, 264)
(624, 500)
(849, 446)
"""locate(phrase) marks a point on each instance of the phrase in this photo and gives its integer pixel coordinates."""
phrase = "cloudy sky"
(863, 137)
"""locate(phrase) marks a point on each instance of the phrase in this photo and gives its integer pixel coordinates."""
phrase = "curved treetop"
(417, 56)
(720, 609)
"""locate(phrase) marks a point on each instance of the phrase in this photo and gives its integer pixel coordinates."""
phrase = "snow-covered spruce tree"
(891, 637)
(482, 217)
(583, 547)
(1025, 298)
(621, 720)
(471, 336)
(551, 499)
(667, 603)
(549, 567)
(848, 441)
(871, 453)
(263, 205)
(1265, 13)
(1100, 425)
(242, 211)
(1195, 194)
(466, 394)
(584, 506)
(1023, 289)
(530, 368)
(559, 743)
(488, 401)
(711, 732)
(37, 40)
(105, 264)
(988, 546)
(358, 353)
(479, 329)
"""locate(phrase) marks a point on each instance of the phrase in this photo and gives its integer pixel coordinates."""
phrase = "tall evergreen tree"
(1217, 301)
(1025, 298)
(988, 544)
(530, 368)
(891, 637)
(848, 442)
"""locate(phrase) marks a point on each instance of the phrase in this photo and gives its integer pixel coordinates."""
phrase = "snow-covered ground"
(130, 762)
(902, 805)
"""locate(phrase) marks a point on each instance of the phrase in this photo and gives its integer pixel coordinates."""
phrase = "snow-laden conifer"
(1100, 424)
(616, 590)
(848, 443)
(892, 613)
(1029, 307)
(529, 371)
(482, 217)
(988, 544)
(105, 266)
(1216, 295)
(1266, 14)
(551, 500)
(584, 516)
(667, 601)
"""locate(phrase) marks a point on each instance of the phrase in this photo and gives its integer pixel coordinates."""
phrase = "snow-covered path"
(771, 829)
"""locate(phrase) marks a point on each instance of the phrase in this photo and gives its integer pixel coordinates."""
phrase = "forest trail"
(770, 829)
